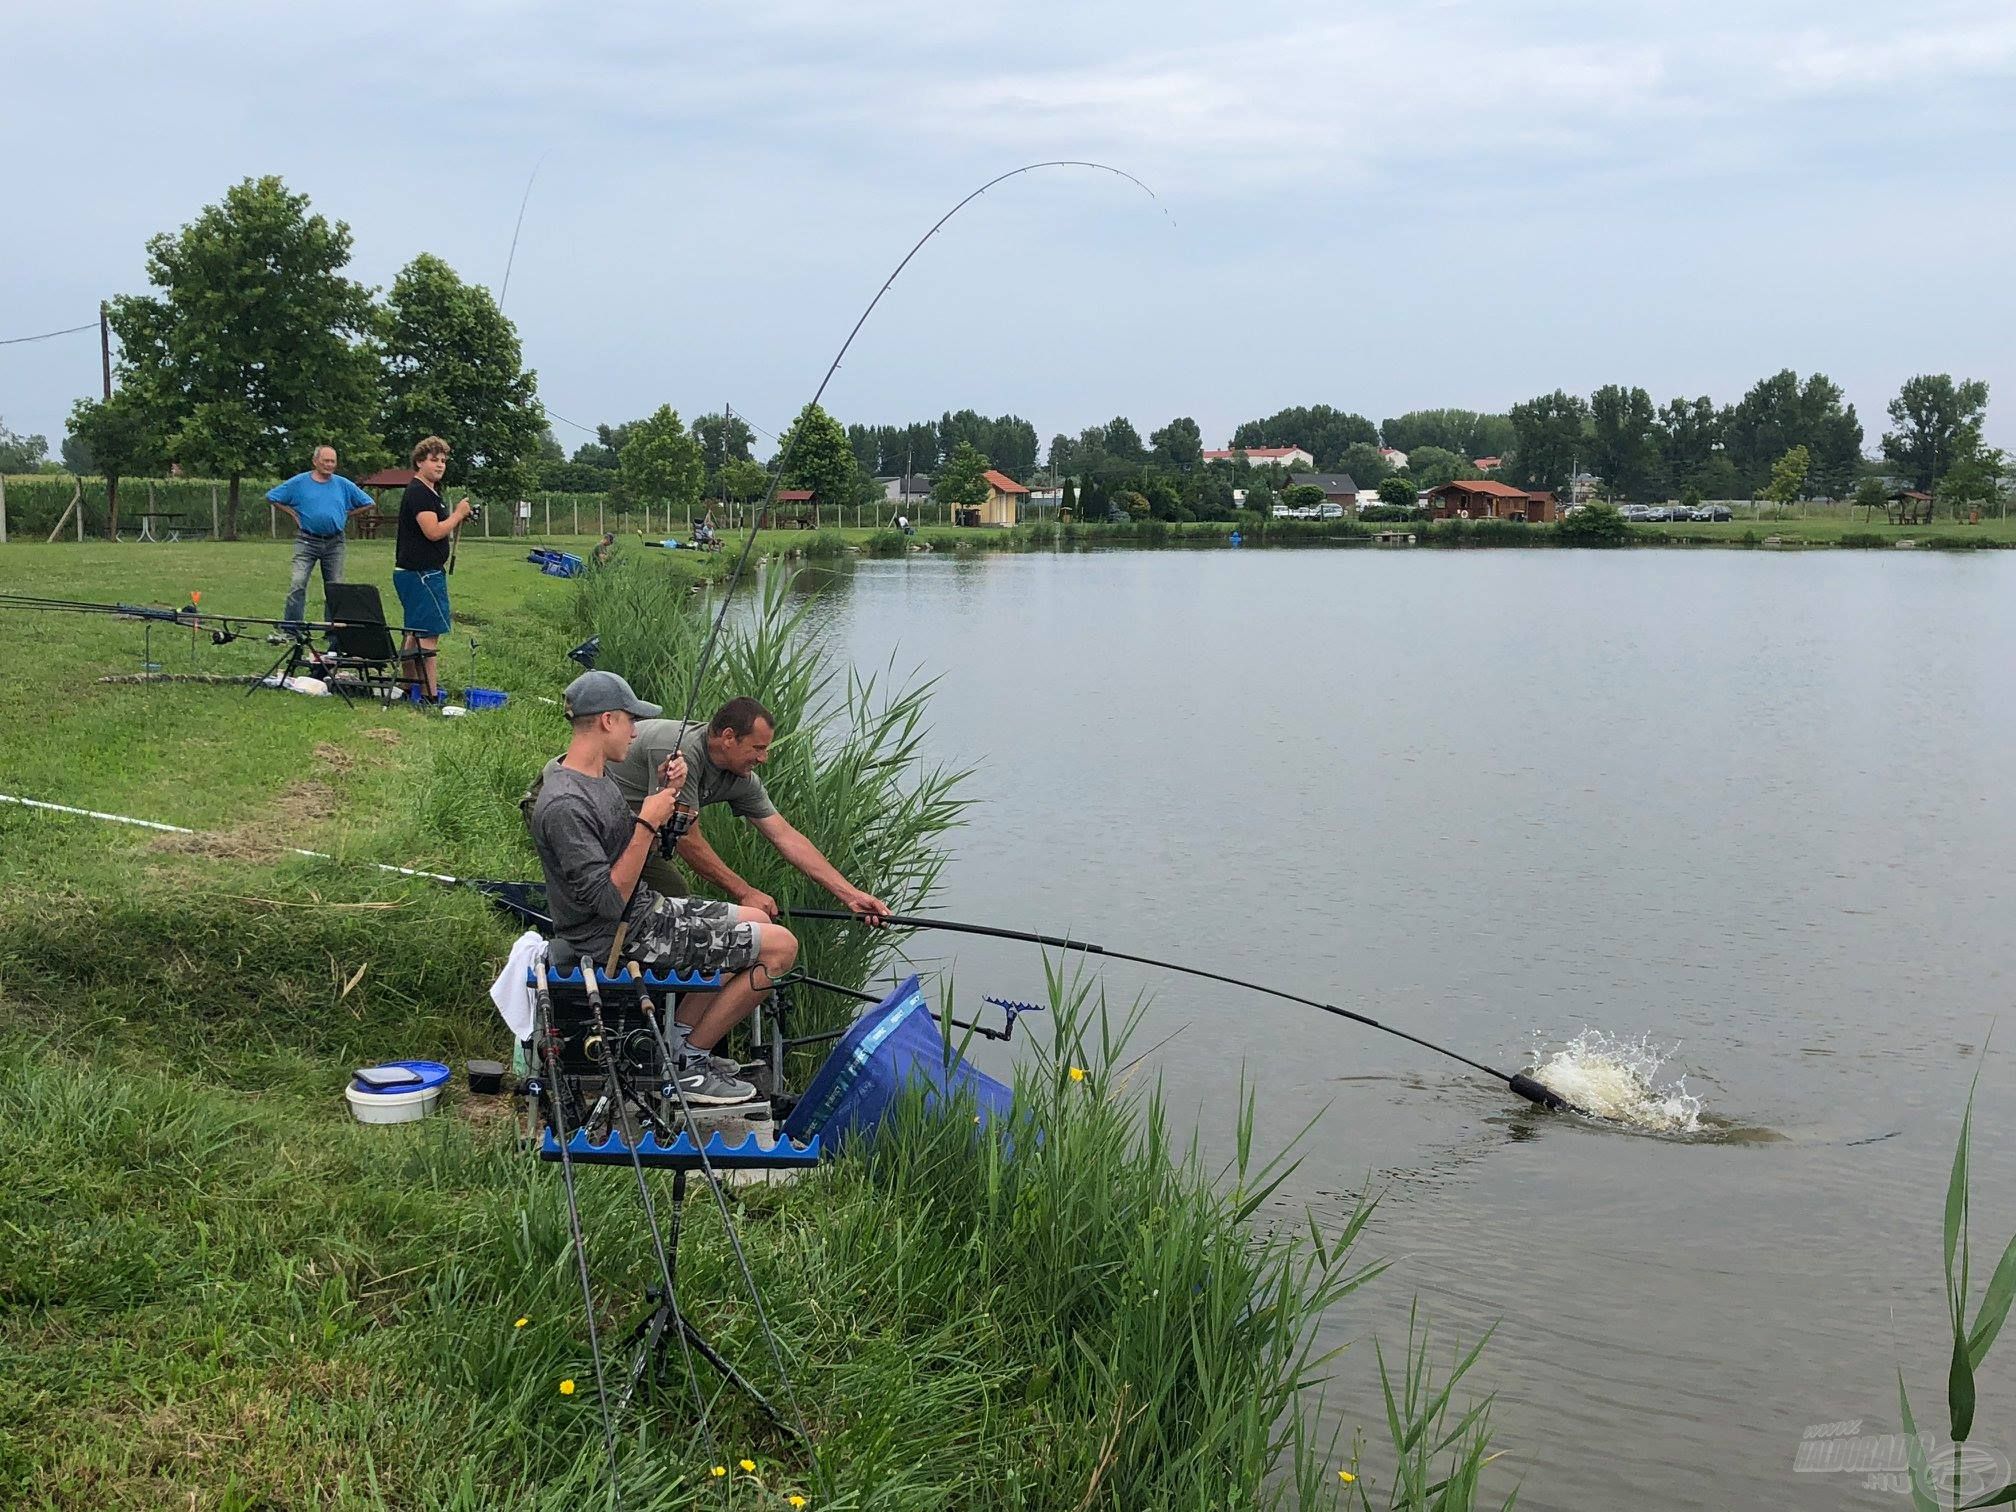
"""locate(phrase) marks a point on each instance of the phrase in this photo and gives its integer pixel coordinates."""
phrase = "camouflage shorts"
(693, 934)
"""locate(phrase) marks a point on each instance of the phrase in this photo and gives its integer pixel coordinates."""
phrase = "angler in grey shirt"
(592, 851)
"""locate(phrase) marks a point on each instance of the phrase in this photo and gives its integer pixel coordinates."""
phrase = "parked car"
(1706, 512)
(1638, 513)
(1329, 509)
(1283, 512)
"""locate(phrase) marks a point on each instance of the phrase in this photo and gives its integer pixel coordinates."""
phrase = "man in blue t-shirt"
(320, 505)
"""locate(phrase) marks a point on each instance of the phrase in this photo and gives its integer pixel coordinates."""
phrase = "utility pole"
(105, 344)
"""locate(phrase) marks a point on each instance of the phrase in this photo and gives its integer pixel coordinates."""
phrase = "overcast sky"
(1380, 206)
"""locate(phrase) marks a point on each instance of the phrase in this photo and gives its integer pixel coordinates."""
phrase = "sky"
(1380, 206)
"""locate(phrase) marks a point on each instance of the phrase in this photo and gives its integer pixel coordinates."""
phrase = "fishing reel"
(675, 829)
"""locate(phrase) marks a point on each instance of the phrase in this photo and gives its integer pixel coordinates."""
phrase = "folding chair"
(361, 654)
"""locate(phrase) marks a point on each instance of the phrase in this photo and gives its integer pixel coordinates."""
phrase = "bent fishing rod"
(1533, 1091)
(223, 628)
(682, 818)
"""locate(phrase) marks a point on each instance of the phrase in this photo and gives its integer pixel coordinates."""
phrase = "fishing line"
(1533, 1091)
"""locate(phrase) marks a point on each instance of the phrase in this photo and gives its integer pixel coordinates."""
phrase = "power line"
(46, 335)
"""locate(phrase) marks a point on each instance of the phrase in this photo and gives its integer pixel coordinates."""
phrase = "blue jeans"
(307, 552)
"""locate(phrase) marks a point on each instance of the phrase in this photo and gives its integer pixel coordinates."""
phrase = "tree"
(1398, 490)
(661, 462)
(1593, 525)
(962, 480)
(1717, 478)
(1304, 496)
(1122, 441)
(742, 480)
(550, 449)
(1938, 421)
(20, 454)
(1063, 455)
(1179, 444)
(1781, 412)
(1788, 477)
(118, 440)
(1318, 429)
(1259, 498)
(1432, 466)
(453, 369)
(595, 454)
(1466, 432)
(257, 348)
(723, 439)
(1973, 481)
(1362, 461)
(1626, 451)
(1070, 499)
(820, 458)
(1686, 433)
(1551, 432)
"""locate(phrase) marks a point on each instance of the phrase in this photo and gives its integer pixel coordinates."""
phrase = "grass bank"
(219, 1292)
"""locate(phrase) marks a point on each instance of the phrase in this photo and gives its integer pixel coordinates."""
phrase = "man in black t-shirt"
(420, 559)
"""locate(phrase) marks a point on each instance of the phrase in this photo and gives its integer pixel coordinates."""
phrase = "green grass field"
(218, 1292)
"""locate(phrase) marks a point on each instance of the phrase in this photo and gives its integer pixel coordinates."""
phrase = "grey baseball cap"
(605, 693)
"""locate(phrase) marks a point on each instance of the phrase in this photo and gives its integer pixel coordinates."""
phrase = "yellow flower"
(747, 1464)
(1077, 1073)
(566, 1388)
(521, 1322)
(718, 1471)
(1346, 1476)
(796, 1501)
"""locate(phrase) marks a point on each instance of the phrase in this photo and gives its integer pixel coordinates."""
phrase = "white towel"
(511, 992)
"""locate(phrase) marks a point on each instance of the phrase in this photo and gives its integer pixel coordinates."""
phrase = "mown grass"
(217, 1291)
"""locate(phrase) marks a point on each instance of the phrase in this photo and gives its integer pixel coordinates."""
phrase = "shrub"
(1863, 540)
(1598, 525)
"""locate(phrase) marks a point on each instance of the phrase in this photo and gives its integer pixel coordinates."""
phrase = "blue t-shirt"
(323, 507)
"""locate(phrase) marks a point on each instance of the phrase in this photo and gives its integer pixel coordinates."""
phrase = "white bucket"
(391, 1107)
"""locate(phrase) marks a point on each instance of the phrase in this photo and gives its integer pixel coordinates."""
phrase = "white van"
(1329, 509)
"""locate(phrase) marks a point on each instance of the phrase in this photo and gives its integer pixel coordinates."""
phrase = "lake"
(1755, 806)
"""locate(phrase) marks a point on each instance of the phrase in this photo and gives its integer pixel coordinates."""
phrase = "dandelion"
(747, 1465)
(1077, 1073)
(521, 1322)
(567, 1388)
(795, 1500)
(1346, 1476)
(718, 1471)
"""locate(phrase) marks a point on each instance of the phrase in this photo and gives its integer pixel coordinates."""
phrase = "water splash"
(1616, 1079)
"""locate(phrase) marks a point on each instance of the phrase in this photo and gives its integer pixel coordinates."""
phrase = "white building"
(1260, 456)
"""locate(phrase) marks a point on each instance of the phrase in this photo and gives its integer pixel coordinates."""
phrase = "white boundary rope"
(180, 829)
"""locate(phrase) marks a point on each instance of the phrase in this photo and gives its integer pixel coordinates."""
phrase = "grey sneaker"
(702, 1083)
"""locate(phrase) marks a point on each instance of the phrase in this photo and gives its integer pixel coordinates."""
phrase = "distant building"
(1486, 499)
(1397, 460)
(1260, 456)
(1004, 499)
(1487, 464)
(911, 490)
(1582, 487)
(1046, 496)
(1338, 488)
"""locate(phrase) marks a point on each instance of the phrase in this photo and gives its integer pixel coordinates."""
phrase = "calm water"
(1754, 805)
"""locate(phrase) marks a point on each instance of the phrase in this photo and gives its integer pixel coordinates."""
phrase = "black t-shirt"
(415, 552)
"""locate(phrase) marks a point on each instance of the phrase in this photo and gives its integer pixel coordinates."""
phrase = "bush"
(1391, 514)
(1598, 525)
(824, 545)
(1863, 540)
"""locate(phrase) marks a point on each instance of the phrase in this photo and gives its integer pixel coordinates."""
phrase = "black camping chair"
(362, 656)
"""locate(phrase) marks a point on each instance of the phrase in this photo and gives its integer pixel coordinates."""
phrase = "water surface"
(1755, 806)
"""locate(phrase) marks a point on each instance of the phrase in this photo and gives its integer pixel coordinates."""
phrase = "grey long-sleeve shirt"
(580, 825)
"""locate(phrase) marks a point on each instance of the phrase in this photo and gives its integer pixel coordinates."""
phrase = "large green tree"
(1624, 428)
(820, 459)
(118, 439)
(1179, 444)
(1432, 466)
(1552, 436)
(1466, 432)
(454, 369)
(1938, 421)
(1687, 433)
(1974, 481)
(723, 438)
(19, 453)
(962, 480)
(1781, 412)
(1361, 459)
(661, 463)
(257, 348)
(1318, 429)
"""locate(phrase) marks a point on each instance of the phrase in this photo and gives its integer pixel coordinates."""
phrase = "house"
(1003, 505)
(1487, 499)
(1582, 487)
(1397, 460)
(1487, 464)
(909, 490)
(1338, 488)
(1260, 456)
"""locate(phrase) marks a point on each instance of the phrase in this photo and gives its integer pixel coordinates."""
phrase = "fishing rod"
(1533, 1091)
(223, 628)
(682, 819)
